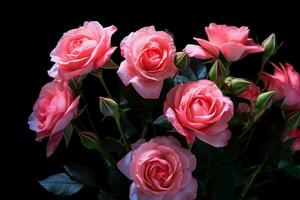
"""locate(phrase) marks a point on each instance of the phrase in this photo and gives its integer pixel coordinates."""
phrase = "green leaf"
(196, 71)
(198, 68)
(222, 184)
(179, 79)
(82, 174)
(116, 181)
(293, 170)
(189, 74)
(89, 139)
(103, 195)
(60, 184)
(162, 122)
(68, 131)
(110, 144)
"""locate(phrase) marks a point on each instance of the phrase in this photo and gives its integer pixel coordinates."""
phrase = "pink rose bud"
(199, 109)
(293, 134)
(149, 60)
(52, 112)
(160, 169)
(251, 95)
(286, 83)
(82, 50)
(231, 41)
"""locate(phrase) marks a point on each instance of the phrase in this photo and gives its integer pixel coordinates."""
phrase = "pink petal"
(189, 192)
(126, 73)
(208, 47)
(100, 62)
(67, 117)
(296, 145)
(219, 140)
(135, 194)
(171, 116)
(53, 142)
(138, 143)
(124, 165)
(236, 51)
(53, 72)
(196, 51)
(148, 89)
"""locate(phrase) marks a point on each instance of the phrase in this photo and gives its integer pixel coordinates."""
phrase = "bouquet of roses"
(188, 129)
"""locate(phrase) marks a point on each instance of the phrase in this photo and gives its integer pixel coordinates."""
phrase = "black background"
(37, 28)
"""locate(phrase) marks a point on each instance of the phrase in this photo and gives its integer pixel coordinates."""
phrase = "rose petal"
(148, 89)
(218, 140)
(124, 165)
(53, 142)
(196, 51)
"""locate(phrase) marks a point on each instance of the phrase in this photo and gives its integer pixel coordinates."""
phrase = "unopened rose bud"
(239, 85)
(182, 60)
(108, 107)
(264, 101)
(217, 73)
(270, 45)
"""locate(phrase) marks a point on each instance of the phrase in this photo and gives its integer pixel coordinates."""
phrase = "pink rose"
(160, 169)
(250, 94)
(149, 59)
(52, 112)
(231, 41)
(293, 134)
(199, 109)
(81, 50)
(286, 83)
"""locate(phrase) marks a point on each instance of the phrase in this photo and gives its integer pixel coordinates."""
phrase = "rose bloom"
(52, 112)
(199, 109)
(231, 41)
(81, 50)
(293, 134)
(149, 59)
(160, 169)
(286, 83)
(250, 94)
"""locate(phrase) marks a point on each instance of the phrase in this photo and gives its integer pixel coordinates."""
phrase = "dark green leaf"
(222, 184)
(162, 122)
(198, 68)
(179, 79)
(110, 144)
(89, 139)
(189, 74)
(68, 131)
(117, 182)
(82, 174)
(61, 184)
(106, 196)
(293, 170)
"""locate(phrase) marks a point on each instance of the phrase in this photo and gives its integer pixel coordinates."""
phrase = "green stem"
(127, 147)
(87, 111)
(261, 70)
(101, 79)
(251, 180)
